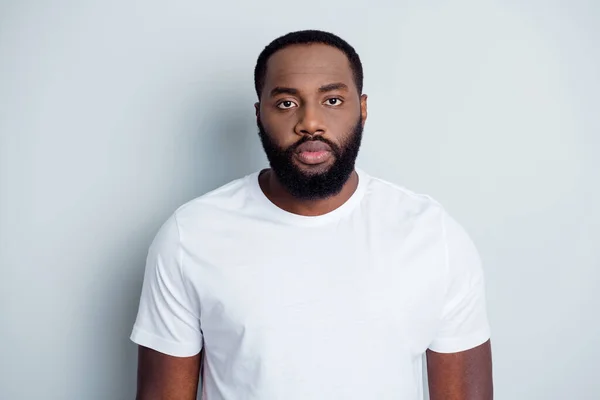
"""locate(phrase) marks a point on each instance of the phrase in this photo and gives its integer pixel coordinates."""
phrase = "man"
(312, 279)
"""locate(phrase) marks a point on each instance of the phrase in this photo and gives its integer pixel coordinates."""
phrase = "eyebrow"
(323, 89)
(333, 86)
(283, 90)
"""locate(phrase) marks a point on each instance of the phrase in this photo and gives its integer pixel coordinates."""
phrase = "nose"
(310, 122)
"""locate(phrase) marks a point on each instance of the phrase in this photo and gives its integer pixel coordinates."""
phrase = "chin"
(312, 170)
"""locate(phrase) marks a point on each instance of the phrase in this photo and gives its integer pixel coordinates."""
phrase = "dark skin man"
(310, 90)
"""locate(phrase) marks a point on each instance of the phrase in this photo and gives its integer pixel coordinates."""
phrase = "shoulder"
(420, 214)
(224, 199)
(199, 216)
(399, 205)
(397, 200)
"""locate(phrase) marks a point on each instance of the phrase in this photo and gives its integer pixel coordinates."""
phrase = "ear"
(363, 108)
(257, 108)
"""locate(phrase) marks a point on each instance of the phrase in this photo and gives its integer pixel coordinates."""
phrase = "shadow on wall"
(225, 143)
(216, 143)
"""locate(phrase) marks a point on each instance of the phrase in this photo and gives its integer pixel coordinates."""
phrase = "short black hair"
(307, 37)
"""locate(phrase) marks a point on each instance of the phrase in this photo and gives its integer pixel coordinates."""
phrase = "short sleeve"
(167, 320)
(464, 322)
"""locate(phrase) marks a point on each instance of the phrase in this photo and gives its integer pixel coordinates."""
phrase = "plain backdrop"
(114, 113)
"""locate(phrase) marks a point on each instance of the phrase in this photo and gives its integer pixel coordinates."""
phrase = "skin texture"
(465, 375)
(163, 377)
(296, 101)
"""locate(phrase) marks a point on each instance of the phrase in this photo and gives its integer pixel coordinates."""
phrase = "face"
(310, 119)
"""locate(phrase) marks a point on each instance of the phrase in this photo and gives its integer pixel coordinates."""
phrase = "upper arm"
(161, 376)
(167, 327)
(465, 375)
(459, 357)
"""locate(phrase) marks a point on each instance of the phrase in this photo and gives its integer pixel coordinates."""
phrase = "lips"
(313, 147)
(313, 152)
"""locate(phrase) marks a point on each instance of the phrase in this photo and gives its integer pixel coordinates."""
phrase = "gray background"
(113, 113)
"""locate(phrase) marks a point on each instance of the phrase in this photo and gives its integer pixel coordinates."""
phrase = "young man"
(311, 279)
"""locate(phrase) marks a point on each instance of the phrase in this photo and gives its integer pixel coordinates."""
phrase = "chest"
(268, 288)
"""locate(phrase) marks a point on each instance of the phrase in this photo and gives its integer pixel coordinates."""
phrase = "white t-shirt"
(289, 307)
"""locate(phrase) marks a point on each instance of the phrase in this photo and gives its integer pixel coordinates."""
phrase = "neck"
(279, 196)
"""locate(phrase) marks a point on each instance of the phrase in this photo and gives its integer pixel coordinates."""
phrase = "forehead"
(308, 66)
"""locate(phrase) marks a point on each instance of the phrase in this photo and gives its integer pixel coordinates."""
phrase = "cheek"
(279, 128)
(341, 127)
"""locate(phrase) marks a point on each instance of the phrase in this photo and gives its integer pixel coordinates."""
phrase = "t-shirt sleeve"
(167, 320)
(464, 322)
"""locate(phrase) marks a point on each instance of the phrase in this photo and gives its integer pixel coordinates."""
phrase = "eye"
(334, 101)
(286, 104)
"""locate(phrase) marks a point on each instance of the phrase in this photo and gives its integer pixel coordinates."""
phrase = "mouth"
(313, 153)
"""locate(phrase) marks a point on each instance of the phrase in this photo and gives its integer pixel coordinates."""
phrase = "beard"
(306, 185)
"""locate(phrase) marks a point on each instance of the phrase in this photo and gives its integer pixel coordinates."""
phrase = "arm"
(167, 328)
(466, 375)
(459, 359)
(161, 376)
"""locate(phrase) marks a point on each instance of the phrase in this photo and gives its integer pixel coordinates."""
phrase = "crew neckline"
(281, 215)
